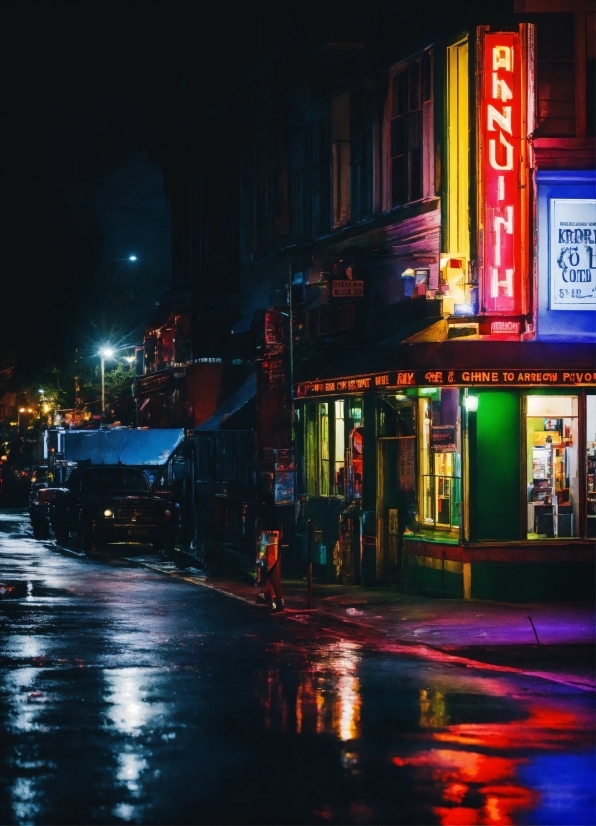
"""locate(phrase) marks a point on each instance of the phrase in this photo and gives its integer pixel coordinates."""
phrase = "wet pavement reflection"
(131, 697)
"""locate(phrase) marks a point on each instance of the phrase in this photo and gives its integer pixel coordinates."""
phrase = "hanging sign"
(347, 289)
(444, 438)
(572, 254)
(502, 193)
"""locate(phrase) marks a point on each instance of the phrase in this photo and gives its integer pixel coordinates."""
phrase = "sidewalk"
(553, 640)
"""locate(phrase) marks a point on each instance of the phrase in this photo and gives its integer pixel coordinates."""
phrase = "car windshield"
(99, 480)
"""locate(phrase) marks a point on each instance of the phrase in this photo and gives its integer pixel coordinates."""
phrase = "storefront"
(470, 482)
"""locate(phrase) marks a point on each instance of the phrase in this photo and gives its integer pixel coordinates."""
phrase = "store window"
(317, 449)
(339, 449)
(355, 452)
(439, 460)
(591, 466)
(334, 448)
(552, 476)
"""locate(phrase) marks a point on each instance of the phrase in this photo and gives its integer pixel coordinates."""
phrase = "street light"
(22, 410)
(104, 353)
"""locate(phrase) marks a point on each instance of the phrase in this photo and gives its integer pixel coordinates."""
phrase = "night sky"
(89, 92)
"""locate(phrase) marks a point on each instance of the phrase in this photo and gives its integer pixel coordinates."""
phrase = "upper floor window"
(555, 67)
(264, 196)
(352, 148)
(565, 71)
(311, 190)
(410, 156)
(361, 155)
(340, 135)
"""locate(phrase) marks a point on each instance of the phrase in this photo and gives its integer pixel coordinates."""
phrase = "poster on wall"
(284, 488)
(444, 438)
(572, 254)
(405, 466)
(284, 493)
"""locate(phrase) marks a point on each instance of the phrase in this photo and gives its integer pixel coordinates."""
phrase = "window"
(340, 136)
(334, 448)
(555, 75)
(317, 449)
(439, 461)
(264, 196)
(331, 318)
(552, 436)
(590, 73)
(410, 138)
(339, 458)
(591, 467)
(282, 187)
(311, 190)
(361, 155)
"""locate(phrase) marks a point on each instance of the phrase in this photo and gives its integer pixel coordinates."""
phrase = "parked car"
(40, 499)
(40, 476)
(102, 504)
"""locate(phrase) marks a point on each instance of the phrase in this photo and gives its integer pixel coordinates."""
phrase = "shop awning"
(232, 405)
(244, 325)
(130, 447)
(456, 362)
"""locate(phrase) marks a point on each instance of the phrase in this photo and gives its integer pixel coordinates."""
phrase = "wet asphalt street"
(131, 696)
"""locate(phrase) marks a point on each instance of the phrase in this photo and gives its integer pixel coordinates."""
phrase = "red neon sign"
(502, 192)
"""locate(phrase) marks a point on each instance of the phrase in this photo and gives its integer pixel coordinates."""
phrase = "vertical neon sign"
(502, 169)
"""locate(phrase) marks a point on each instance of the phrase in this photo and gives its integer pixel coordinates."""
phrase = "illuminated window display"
(552, 438)
(334, 441)
(591, 467)
(439, 460)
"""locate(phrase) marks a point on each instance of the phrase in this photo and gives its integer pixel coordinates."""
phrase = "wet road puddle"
(128, 697)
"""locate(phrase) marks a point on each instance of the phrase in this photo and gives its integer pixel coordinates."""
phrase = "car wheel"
(40, 530)
(88, 537)
(61, 534)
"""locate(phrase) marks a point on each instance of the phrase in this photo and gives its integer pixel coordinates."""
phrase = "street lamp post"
(104, 353)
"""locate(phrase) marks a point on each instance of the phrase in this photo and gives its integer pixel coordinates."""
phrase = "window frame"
(426, 97)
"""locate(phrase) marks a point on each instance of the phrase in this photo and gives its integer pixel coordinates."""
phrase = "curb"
(397, 646)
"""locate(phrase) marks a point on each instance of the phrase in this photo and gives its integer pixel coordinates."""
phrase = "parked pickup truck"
(102, 504)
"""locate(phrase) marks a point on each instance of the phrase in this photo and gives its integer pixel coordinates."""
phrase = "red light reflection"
(481, 776)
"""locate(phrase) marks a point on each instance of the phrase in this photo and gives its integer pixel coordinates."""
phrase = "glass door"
(552, 480)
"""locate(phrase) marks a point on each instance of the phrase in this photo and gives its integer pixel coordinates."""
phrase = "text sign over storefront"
(347, 289)
(572, 254)
(501, 123)
(402, 379)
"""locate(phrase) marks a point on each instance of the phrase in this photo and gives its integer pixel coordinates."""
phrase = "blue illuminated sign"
(566, 301)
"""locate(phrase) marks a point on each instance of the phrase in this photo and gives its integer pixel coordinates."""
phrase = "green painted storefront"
(497, 560)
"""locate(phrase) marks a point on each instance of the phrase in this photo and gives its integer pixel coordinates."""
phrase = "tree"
(119, 389)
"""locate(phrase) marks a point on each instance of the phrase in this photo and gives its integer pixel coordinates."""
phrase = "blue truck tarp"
(149, 448)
